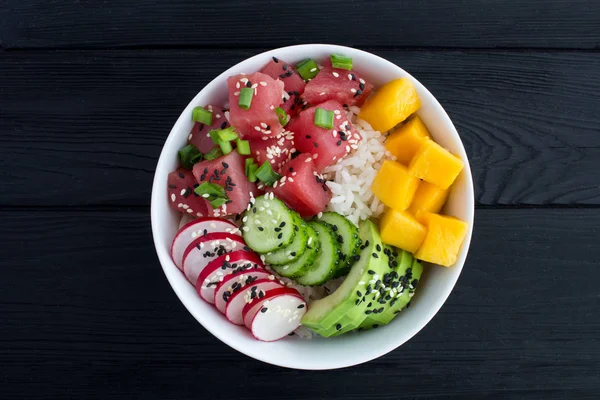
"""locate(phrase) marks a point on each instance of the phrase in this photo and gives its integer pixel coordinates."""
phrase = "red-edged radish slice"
(277, 315)
(205, 249)
(233, 283)
(251, 308)
(195, 229)
(237, 262)
(252, 292)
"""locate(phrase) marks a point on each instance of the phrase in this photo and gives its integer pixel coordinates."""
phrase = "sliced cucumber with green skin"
(292, 252)
(297, 268)
(326, 264)
(268, 224)
(348, 237)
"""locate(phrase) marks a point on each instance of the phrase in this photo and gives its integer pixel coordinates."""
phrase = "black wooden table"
(88, 93)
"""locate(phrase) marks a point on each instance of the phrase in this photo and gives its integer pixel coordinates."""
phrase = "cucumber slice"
(348, 237)
(328, 260)
(292, 252)
(299, 267)
(268, 224)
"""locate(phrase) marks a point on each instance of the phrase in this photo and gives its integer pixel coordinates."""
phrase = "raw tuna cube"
(301, 187)
(292, 81)
(181, 184)
(199, 135)
(277, 150)
(228, 172)
(327, 146)
(346, 87)
(260, 119)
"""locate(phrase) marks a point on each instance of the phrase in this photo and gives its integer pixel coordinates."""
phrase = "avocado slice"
(404, 282)
(345, 308)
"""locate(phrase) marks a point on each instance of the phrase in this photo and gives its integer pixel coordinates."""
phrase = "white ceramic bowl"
(318, 353)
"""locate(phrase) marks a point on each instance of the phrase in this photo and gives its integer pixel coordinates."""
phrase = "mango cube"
(391, 104)
(428, 198)
(443, 240)
(394, 186)
(401, 229)
(406, 139)
(436, 165)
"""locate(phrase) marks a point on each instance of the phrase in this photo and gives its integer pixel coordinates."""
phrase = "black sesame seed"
(277, 229)
(254, 210)
(338, 327)
(224, 124)
(280, 235)
(339, 143)
(282, 76)
(370, 304)
(285, 66)
(368, 312)
(296, 228)
(293, 254)
(248, 84)
(375, 326)
(378, 247)
(282, 224)
(260, 228)
(359, 294)
(356, 257)
(300, 306)
(371, 272)
(375, 255)
(315, 144)
(172, 186)
(264, 310)
(275, 59)
(340, 239)
(181, 175)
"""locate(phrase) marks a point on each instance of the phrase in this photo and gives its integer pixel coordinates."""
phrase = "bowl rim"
(158, 189)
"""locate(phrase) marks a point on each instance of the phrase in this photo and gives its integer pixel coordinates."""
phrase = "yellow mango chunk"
(401, 229)
(428, 198)
(390, 104)
(406, 139)
(443, 240)
(394, 186)
(436, 165)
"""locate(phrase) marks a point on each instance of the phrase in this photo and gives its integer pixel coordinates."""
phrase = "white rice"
(351, 178)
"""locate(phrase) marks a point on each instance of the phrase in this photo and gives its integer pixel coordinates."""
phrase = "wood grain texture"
(87, 313)
(391, 23)
(93, 122)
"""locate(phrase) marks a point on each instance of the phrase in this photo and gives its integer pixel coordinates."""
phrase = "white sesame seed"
(254, 86)
(275, 184)
(362, 81)
(237, 85)
(218, 115)
(257, 128)
(335, 74)
(244, 219)
(310, 239)
(190, 210)
(194, 235)
(285, 267)
(274, 221)
(336, 111)
(348, 149)
(182, 191)
(190, 136)
(309, 159)
(263, 83)
(185, 206)
(361, 283)
(261, 209)
(315, 156)
(236, 93)
(272, 107)
(290, 179)
(173, 197)
(269, 212)
(322, 94)
(198, 214)
(245, 229)
(353, 90)
(338, 117)
(227, 257)
(244, 80)
(263, 124)
(313, 69)
(206, 195)
(354, 146)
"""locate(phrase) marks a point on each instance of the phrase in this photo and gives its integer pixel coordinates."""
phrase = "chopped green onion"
(247, 163)
(189, 155)
(307, 69)
(214, 153)
(216, 203)
(252, 172)
(210, 190)
(283, 117)
(202, 115)
(339, 61)
(324, 118)
(226, 147)
(246, 98)
(223, 135)
(266, 175)
(243, 147)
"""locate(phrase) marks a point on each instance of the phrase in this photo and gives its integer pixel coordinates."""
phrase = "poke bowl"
(304, 194)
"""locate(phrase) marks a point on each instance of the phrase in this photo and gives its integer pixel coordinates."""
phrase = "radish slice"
(253, 291)
(277, 315)
(237, 262)
(250, 309)
(231, 284)
(195, 229)
(205, 249)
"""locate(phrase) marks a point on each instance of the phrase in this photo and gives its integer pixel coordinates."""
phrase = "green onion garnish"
(223, 135)
(247, 163)
(307, 69)
(189, 155)
(324, 118)
(226, 147)
(252, 172)
(266, 175)
(283, 117)
(339, 61)
(210, 190)
(202, 115)
(216, 203)
(243, 147)
(214, 153)
(246, 98)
